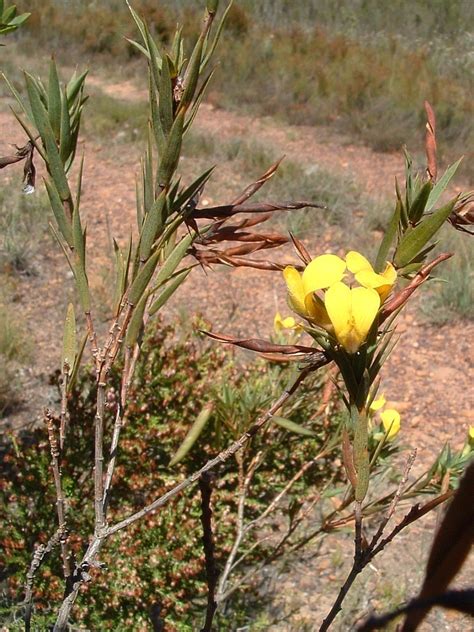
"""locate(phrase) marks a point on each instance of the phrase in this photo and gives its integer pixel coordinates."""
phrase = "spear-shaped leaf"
(388, 239)
(174, 259)
(168, 292)
(441, 185)
(416, 238)
(69, 340)
(193, 434)
(170, 157)
(291, 426)
(40, 115)
(54, 99)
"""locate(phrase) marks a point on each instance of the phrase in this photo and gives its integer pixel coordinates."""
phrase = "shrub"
(166, 577)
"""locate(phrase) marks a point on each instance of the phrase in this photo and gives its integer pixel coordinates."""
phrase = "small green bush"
(166, 578)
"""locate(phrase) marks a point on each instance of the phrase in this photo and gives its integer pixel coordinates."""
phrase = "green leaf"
(136, 321)
(388, 238)
(192, 74)
(166, 97)
(142, 279)
(59, 214)
(54, 100)
(193, 434)
(174, 259)
(69, 340)
(78, 236)
(184, 197)
(169, 290)
(170, 157)
(77, 362)
(291, 426)
(416, 210)
(210, 51)
(40, 115)
(75, 86)
(154, 220)
(416, 238)
(82, 285)
(441, 185)
(65, 145)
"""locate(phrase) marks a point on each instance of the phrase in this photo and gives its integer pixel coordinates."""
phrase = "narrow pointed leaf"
(210, 50)
(65, 146)
(55, 165)
(174, 259)
(168, 292)
(154, 220)
(166, 97)
(54, 100)
(388, 239)
(142, 279)
(136, 321)
(193, 434)
(291, 426)
(415, 239)
(59, 214)
(418, 206)
(170, 158)
(441, 185)
(69, 339)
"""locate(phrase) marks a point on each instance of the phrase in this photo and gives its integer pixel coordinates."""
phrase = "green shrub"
(174, 378)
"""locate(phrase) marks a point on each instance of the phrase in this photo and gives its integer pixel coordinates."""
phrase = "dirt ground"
(428, 378)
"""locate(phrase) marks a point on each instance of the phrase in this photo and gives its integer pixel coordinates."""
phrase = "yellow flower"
(378, 403)
(470, 434)
(346, 312)
(367, 277)
(304, 304)
(352, 313)
(391, 422)
(279, 323)
(323, 272)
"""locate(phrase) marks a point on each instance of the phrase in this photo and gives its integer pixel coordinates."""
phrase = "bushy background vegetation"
(156, 568)
(364, 67)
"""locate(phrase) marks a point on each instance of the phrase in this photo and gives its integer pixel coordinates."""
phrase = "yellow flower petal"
(471, 432)
(391, 422)
(323, 272)
(378, 403)
(390, 273)
(366, 275)
(365, 305)
(357, 262)
(296, 294)
(352, 313)
(279, 323)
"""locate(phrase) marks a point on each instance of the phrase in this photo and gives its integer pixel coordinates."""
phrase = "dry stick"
(60, 504)
(99, 537)
(113, 456)
(362, 556)
(244, 482)
(38, 557)
(205, 487)
(99, 458)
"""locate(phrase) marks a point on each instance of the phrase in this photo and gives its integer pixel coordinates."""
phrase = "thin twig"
(39, 555)
(364, 556)
(60, 503)
(205, 487)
